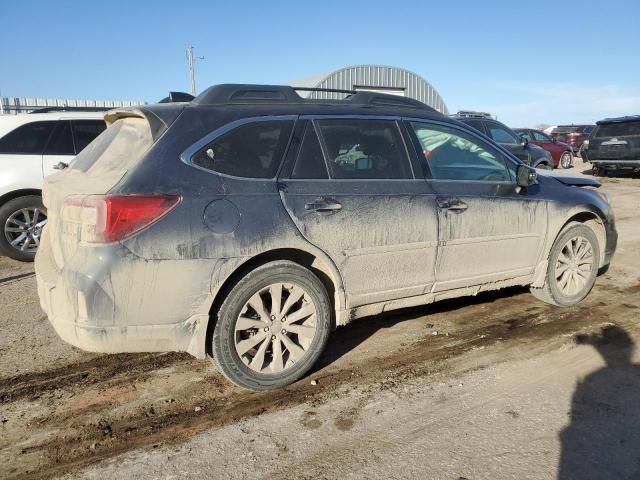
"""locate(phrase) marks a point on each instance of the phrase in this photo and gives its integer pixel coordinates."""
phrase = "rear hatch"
(615, 140)
(96, 170)
(568, 135)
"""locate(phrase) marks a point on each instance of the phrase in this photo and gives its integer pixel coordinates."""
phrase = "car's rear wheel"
(572, 267)
(272, 327)
(22, 220)
(565, 160)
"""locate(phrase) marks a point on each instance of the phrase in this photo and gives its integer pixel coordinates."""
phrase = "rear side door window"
(85, 131)
(452, 154)
(253, 150)
(61, 141)
(527, 135)
(28, 139)
(365, 149)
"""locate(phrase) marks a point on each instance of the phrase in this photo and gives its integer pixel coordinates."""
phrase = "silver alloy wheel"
(275, 328)
(24, 227)
(565, 160)
(574, 266)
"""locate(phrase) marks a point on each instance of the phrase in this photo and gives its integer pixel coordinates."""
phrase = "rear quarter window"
(254, 150)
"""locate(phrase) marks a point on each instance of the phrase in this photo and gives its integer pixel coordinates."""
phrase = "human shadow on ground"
(603, 438)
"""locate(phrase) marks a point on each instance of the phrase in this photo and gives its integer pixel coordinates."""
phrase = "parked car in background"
(561, 153)
(270, 224)
(31, 145)
(572, 135)
(614, 145)
(529, 153)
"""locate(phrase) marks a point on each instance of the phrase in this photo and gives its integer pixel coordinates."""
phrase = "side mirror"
(525, 175)
(525, 140)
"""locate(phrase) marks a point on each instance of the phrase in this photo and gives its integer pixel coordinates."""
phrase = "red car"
(561, 152)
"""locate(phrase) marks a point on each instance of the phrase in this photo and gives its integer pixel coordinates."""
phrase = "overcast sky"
(528, 63)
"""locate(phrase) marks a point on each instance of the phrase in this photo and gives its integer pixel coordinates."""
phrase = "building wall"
(374, 77)
(14, 105)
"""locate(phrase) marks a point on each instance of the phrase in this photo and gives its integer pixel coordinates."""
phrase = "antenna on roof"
(192, 69)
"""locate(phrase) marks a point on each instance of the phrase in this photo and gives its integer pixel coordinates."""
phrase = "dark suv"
(246, 224)
(529, 153)
(615, 145)
(573, 135)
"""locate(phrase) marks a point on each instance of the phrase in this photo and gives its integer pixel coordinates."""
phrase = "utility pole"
(192, 69)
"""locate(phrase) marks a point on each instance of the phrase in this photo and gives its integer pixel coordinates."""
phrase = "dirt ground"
(497, 386)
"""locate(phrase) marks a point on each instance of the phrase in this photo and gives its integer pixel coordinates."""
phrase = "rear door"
(490, 230)
(351, 191)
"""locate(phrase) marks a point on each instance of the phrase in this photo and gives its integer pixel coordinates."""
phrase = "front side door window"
(452, 154)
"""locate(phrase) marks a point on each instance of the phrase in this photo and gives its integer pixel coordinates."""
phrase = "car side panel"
(20, 172)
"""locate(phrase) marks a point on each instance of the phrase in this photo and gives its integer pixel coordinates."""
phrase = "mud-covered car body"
(375, 243)
(615, 144)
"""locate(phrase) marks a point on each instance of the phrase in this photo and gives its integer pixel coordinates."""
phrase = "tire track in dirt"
(129, 416)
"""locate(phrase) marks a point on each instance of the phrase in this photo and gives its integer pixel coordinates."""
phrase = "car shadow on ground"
(603, 438)
(611, 174)
(346, 339)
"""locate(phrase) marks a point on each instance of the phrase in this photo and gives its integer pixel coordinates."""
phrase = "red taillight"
(111, 218)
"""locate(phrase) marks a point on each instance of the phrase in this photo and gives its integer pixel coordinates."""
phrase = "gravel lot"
(490, 387)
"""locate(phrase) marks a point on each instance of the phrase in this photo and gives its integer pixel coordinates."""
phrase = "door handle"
(457, 206)
(325, 205)
(452, 204)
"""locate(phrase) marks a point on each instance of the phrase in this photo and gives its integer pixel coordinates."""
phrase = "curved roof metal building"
(377, 78)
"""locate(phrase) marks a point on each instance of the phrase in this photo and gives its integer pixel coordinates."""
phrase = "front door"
(351, 191)
(490, 230)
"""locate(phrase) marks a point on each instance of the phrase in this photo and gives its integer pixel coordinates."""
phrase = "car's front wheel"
(272, 326)
(22, 220)
(572, 267)
(565, 160)
(544, 166)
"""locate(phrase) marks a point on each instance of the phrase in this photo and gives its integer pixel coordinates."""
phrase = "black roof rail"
(248, 93)
(626, 118)
(175, 97)
(330, 90)
(472, 114)
(70, 109)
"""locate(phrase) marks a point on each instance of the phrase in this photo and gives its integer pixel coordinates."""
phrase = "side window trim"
(187, 155)
(471, 132)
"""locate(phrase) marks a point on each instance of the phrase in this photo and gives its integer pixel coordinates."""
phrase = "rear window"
(623, 129)
(28, 139)
(574, 129)
(254, 150)
(116, 149)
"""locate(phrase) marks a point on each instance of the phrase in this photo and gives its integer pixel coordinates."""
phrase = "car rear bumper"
(98, 302)
(617, 164)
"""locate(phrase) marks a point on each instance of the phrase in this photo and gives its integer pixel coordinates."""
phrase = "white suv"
(31, 145)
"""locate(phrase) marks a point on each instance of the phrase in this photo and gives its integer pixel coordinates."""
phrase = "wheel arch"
(19, 193)
(317, 262)
(585, 216)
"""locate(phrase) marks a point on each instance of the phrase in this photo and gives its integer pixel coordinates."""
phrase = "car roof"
(628, 118)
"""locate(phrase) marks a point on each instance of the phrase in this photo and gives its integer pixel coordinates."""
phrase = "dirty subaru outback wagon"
(248, 223)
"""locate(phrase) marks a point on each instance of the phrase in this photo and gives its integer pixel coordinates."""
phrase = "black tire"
(224, 338)
(6, 212)
(595, 170)
(544, 166)
(566, 159)
(552, 291)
